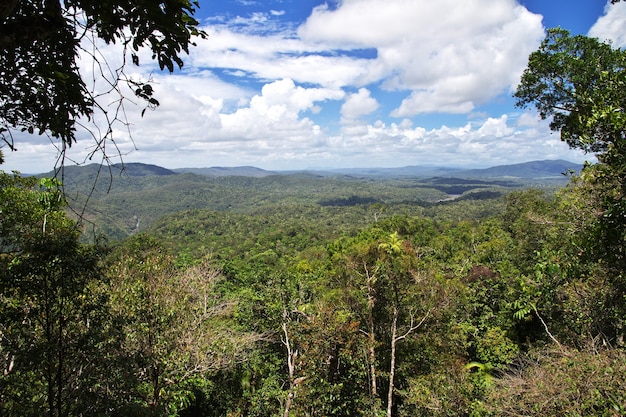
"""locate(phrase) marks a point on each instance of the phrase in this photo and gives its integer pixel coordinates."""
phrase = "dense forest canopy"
(299, 321)
(300, 309)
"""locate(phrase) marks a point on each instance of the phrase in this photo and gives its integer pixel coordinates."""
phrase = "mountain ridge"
(548, 168)
(537, 169)
(531, 169)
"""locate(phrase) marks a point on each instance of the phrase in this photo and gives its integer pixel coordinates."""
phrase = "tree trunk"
(291, 356)
(371, 300)
(372, 361)
(288, 403)
(392, 367)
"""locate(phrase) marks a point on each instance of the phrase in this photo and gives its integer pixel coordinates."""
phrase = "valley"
(118, 201)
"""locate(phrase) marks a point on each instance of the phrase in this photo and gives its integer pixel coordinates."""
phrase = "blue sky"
(297, 84)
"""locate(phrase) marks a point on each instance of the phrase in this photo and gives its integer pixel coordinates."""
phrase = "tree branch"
(413, 327)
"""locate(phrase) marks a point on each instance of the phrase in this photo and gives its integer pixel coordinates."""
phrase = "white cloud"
(271, 131)
(274, 115)
(528, 119)
(359, 104)
(451, 55)
(493, 141)
(448, 56)
(278, 56)
(432, 101)
(270, 134)
(276, 104)
(496, 128)
(611, 26)
(193, 128)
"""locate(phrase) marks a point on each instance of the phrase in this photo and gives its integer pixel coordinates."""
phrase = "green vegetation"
(297, 308)
(118, 204)
(317, 296)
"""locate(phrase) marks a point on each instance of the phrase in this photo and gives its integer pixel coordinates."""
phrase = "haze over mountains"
(123, 199)
(527, 170)
(533, 169)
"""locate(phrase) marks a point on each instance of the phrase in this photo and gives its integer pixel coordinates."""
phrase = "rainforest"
(135, 290)
(308, 295)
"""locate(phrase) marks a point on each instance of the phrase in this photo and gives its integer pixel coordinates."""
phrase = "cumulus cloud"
(277, 109)
(359, 104)
(489, 142)
(449, 55)
(278, 56)
(192, 125)
(612, 26)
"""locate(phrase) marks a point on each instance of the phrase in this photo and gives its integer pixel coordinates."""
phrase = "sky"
(312, 84)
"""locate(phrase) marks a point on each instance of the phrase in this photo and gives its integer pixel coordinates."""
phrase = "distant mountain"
(533, 169)
(134, 169)
(547, 169)
(79, 173)
(401, 172)
(245, 171)
(249, 171)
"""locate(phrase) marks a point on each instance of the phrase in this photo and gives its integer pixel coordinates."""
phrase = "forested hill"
(84, 175)
(121, 200)
(533, 169)
(527, 170)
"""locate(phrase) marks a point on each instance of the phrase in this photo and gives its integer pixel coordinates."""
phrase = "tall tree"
(171, 327)
(390, 297)
(48, 319)
(408, 312)
(579, 82)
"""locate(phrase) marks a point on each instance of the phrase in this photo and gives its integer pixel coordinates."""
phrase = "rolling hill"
(120, 200)
(530, 170)
(526, 170)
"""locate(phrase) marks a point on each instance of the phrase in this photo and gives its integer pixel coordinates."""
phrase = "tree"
(41, 87)
(171, 328)
(389, 296)
(48, 319)
(400, 280)
(579, 82)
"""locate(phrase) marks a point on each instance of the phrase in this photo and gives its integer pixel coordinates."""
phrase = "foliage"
(561, 383)
(122, 202)
(360, 310)
(590, 299)
(49, 320)
(172, 327)
(577, 81)
(439, 394)
(41, 87)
